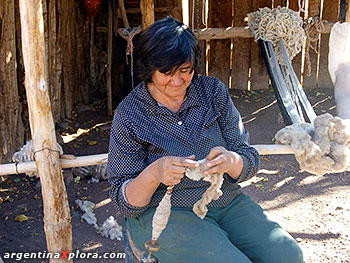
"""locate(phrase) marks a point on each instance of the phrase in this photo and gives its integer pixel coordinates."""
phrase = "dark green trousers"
(239, 233)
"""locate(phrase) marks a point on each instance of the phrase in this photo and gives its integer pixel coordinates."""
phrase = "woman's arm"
(239, 160)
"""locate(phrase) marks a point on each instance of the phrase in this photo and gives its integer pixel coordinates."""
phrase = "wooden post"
(109, 58)
(57, 220)
(147, 11)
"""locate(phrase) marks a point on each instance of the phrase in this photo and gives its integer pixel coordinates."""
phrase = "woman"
(171, 119)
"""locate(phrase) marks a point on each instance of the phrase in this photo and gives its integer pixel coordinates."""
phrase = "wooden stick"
(123, 13)
(232, 32)
(30, 167)
(109, 58)
(57, 220)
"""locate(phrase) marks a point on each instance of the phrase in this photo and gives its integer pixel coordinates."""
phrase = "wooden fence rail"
(72, 161)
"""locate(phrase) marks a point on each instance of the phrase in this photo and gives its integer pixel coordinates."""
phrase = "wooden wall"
(238, 62)
(11, 106)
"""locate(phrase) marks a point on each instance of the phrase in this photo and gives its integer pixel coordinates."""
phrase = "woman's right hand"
(171, 169)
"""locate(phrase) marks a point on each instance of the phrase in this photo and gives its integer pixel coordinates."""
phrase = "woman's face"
(175, 84)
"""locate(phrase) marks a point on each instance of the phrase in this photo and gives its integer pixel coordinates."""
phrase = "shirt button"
(179, 122)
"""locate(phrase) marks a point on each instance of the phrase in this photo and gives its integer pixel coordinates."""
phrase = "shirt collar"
(193, 98)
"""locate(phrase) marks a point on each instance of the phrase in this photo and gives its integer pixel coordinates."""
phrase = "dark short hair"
(165, 46)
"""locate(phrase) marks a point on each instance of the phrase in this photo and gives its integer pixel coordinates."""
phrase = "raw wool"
(281, 22)
(320, 148)
(161, 215)
(88, 208)
(96, 172)
(26, 154)
(212, 193)
(110, 227)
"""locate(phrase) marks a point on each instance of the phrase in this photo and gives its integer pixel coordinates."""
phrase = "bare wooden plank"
(259, 77)
(11, 124)
(177, 10)
(136, 10)
(331, 14)
(220, 15)
(297, 59)
(57, 220)
(236, 32)
(241, 47)
(54, 60)
(310, 81)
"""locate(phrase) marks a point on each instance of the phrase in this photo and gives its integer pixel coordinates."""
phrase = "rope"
(128, 36)
(45, 148)
(273, 24)
(313, 27)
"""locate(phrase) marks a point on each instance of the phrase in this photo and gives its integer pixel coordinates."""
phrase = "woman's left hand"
(221, 160)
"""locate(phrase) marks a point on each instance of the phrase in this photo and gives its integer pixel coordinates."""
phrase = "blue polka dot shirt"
(144, 131)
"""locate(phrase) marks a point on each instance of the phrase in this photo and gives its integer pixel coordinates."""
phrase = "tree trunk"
(57, 220)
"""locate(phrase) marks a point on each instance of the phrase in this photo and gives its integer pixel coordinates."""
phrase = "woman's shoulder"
(209, 83)
(132, 104)
(209, 86)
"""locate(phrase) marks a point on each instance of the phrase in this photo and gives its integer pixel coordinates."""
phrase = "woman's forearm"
(237, 166)
(140, 190)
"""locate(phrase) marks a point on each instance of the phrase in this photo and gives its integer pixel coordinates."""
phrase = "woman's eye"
(185, 70)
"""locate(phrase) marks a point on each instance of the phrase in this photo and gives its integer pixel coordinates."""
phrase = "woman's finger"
(214, 152)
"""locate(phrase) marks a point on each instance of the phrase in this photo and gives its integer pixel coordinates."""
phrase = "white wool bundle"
(320, 148)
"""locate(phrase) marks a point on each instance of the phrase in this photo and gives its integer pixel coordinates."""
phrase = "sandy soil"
(314, 209)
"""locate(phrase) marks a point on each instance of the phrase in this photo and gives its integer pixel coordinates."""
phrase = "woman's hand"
(221, 160)
(171, 169)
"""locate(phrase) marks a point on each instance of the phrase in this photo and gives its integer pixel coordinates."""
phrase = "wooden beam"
(109, 57)
(147, 11)
(136, 10)
(57, 220)
(72, 161)
(232, 32)
(30, 167)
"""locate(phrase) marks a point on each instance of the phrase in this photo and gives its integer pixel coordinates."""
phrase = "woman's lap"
(225, 235)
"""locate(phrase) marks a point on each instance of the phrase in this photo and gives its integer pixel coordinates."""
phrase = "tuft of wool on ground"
(109, 228)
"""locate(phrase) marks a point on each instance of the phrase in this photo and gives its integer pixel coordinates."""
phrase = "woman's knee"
(290, 252)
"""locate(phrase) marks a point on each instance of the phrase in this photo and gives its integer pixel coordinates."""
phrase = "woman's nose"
(177, 80)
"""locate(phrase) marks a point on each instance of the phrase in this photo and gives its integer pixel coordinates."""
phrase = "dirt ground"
(314, 209)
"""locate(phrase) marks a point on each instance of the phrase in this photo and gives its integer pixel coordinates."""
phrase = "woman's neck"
(172, 103)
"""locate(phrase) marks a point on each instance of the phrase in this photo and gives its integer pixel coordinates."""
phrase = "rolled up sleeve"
(126, 159)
